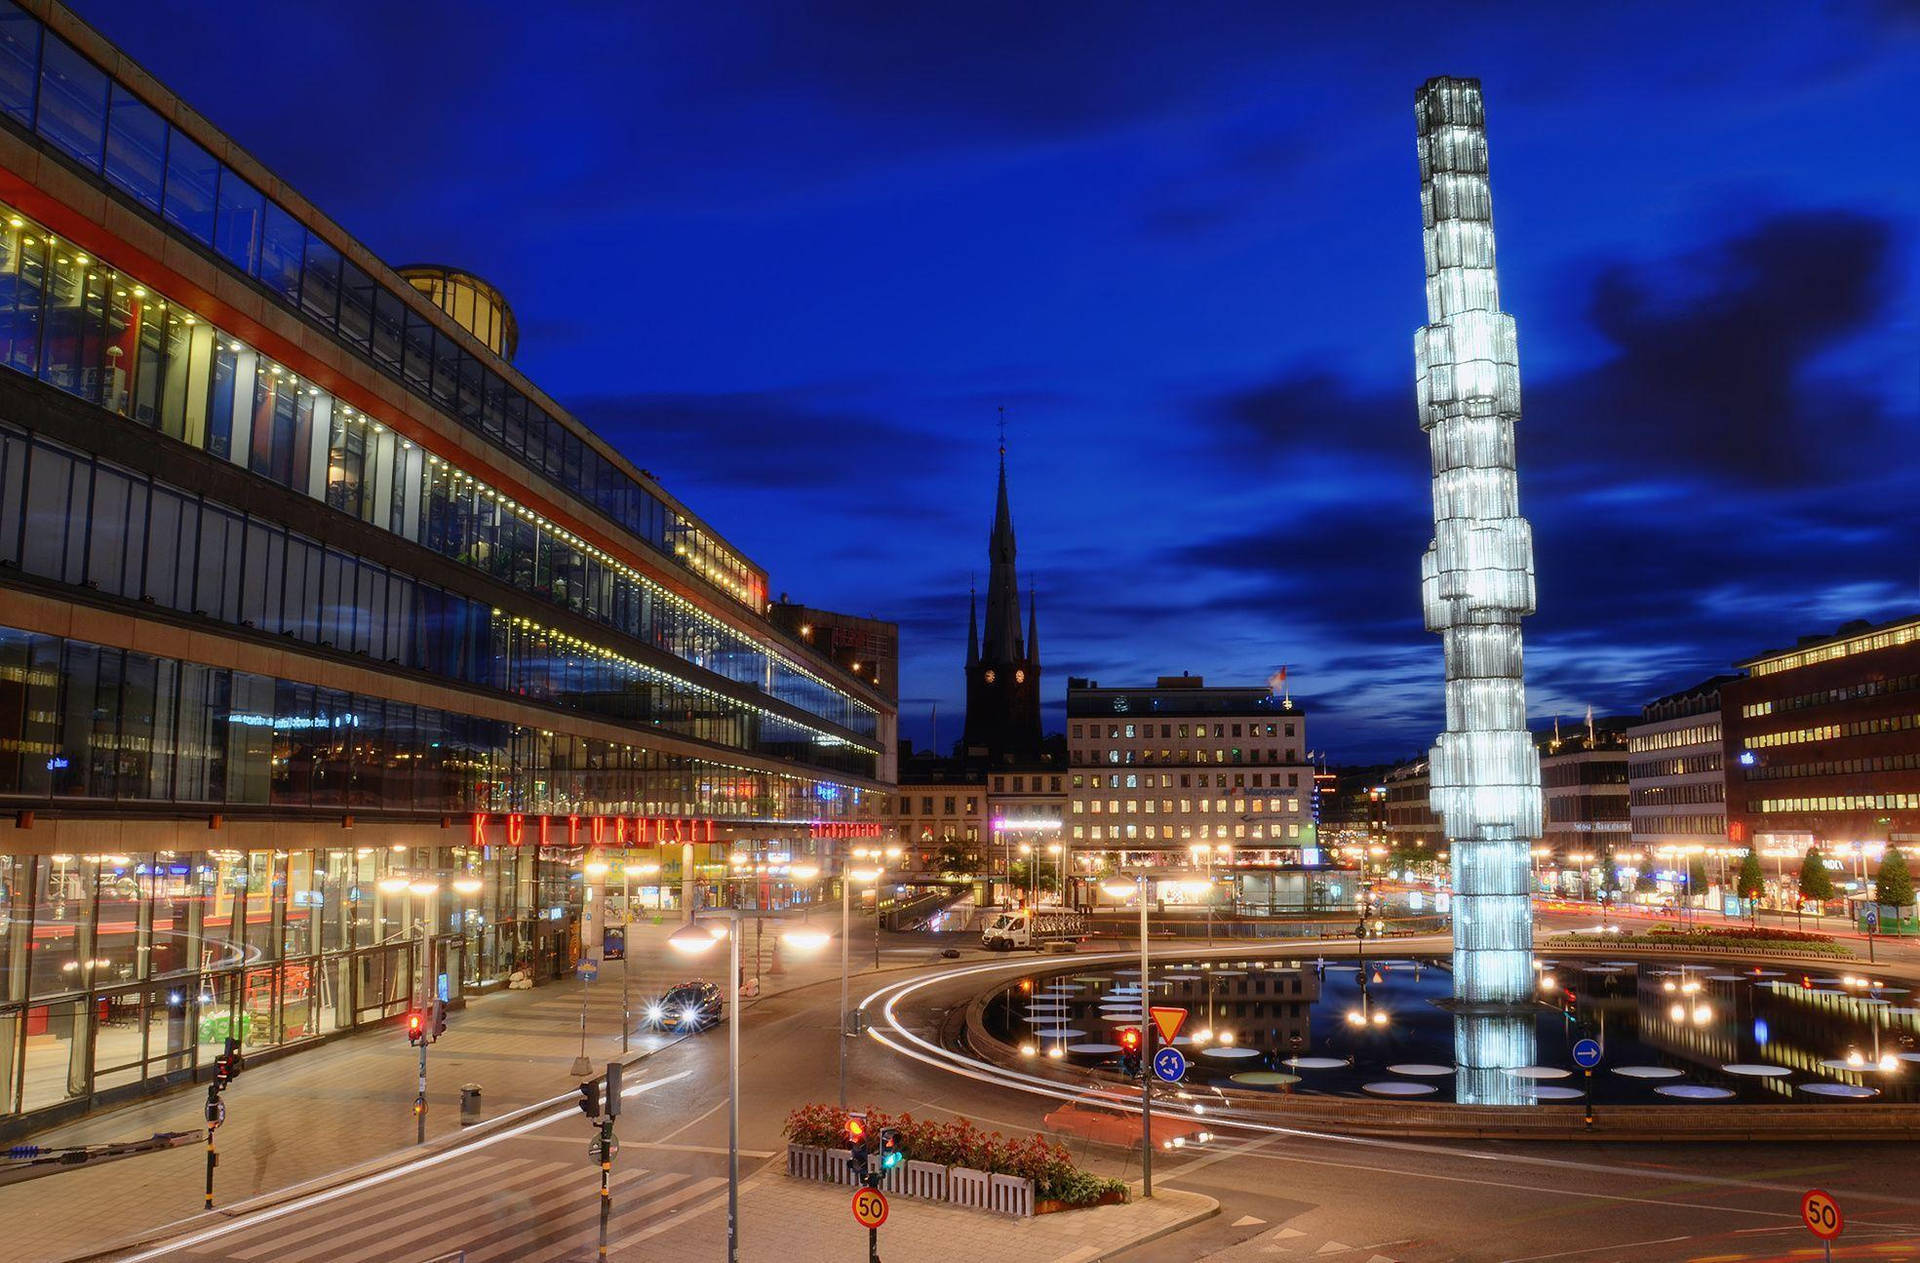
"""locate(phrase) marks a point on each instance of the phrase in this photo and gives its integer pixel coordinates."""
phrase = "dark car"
(691, 1006)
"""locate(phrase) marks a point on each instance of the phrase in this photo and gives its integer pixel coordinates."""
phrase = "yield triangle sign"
(1168, 1022)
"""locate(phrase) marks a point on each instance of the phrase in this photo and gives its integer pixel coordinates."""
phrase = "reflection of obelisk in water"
(1477, 584)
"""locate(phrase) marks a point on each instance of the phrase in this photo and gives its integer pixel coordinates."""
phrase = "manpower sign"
(516, 829)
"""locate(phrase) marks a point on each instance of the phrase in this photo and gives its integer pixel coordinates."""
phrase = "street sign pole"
(1146, 1053)
(426, 1006)
(1586, 1054)
(609, 1110)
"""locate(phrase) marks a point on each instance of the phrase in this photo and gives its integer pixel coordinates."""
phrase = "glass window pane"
(320, 286)
(389, 318)
(236, 233)
(136, 148)
(283, 246)
(19, 67)
(73, 102)
(192, 175)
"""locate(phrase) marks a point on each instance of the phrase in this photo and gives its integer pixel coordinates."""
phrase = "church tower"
(1003, 669)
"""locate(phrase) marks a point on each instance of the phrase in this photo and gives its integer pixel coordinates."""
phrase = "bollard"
(469, 1104)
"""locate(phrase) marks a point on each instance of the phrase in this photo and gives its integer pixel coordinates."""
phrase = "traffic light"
(416, 1027)
(590, 1098)
(891, 1155)
(1129, 1037)
(857, 1146)
(438, 1026)
(225, 1068)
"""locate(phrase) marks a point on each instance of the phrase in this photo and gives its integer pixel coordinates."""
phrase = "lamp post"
(695, 938)
(1117, 889)
(846, 927)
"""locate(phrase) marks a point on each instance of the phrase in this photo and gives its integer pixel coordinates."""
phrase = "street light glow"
(692, 938)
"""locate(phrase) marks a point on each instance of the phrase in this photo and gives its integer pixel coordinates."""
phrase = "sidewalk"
(915, 1230)
(316, 1112)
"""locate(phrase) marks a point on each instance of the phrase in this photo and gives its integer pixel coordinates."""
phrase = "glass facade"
(75, 322)
(52, 91)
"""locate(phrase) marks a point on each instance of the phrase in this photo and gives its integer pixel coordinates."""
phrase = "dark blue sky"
(791, 257)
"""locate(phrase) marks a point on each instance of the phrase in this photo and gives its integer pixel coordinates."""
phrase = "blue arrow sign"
(1586, 1053)
(1169, 1064)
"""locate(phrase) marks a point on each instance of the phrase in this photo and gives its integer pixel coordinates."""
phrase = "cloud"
(1712, 485)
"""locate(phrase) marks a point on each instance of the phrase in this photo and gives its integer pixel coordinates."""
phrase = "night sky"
(791, 258)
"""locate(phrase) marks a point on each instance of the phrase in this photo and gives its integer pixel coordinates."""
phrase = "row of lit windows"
(1692, 735)
(1830, 732)
(1834, 767)
(1169, 833)
(1577, 807)
(84, 328)
(1842, 802)
(1903, 635)
(1697, 826)
(1234, 755)
(1198, 731)
(1826, 697)
(1145, 780)
(1679, 765)
(1132, 806)
(1698, 792)
(80, 720)
(49, 88)
(949, 806)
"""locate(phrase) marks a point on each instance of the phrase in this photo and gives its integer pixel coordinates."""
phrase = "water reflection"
(1347, 1027)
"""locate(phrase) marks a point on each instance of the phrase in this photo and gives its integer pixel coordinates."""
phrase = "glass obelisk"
(1476, 585)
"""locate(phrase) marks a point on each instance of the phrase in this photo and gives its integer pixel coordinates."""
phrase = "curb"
(1207, 1211)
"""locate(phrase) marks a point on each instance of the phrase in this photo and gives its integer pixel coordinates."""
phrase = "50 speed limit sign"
(870, 1208)
(1822, 1214)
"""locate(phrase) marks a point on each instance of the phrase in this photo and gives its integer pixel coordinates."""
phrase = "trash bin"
(469, 1104)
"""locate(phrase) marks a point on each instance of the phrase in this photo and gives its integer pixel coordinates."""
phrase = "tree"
(1816, 883)
(1894, 883)
(1697, 879)
(1751, 883)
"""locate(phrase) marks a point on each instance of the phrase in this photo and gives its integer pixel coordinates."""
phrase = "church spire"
(1003, 584)
(1033, 626)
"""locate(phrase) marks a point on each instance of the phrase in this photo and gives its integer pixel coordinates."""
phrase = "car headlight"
(655, 1013)
(690, 1016)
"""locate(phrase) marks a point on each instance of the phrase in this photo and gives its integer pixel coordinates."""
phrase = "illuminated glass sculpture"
(1477, 575)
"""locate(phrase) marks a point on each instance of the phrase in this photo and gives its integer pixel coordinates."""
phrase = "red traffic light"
(856, 1129)
(1129, 1038)
(416, 1023)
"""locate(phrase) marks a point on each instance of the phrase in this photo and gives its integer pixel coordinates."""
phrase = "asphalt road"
(531, 1194)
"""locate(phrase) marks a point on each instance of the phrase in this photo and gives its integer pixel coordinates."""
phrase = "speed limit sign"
(1822, 1214)
(870, 1208)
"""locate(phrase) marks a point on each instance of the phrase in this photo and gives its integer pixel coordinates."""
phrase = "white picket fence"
(957, 1186)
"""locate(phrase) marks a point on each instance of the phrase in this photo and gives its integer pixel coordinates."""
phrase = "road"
(529, 1192)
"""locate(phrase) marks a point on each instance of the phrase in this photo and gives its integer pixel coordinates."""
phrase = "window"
(320, 291)
(192, 176)
(236, 227)
(283, 249)
(19, 55)
(73, 103)
(136, 148)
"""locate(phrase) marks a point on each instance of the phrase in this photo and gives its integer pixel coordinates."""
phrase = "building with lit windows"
(324, 633)
(1411, 824)
(1823, 745)
(1583, 786)
(1677, 780)
(1215, 779)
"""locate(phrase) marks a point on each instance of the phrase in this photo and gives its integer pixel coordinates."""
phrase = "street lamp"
(1118, 888)
(846, 929)
(695, 938)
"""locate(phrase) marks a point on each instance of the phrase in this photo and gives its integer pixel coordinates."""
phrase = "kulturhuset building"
(323, 631)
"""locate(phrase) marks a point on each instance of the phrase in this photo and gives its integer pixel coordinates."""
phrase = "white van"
(1030, 928)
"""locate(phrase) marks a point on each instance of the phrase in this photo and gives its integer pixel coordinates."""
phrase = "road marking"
(625, 1145)
(379, 1177)
(1248, 1221)
(1626, 1245)
(1333, 1247)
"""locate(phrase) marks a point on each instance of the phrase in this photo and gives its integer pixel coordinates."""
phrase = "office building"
(1583, 785)
(329, 644)
(1210, 778)
(1822, 745)
(1677, 783)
